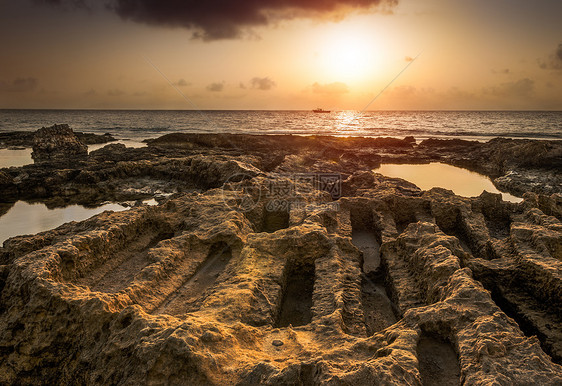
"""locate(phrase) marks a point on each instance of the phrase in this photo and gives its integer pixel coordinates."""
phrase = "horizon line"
(280, 110)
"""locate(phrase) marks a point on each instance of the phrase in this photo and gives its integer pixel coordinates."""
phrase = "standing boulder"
(57, 143)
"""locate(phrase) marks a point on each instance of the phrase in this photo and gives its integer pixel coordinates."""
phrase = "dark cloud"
(215, 87)
(227, 19)
(19, 85)
(59, 2)
(521, 88)
(223, 19)
(65, 3)
(262, 83)
(115, 92)
(330, 88)
(554, 60)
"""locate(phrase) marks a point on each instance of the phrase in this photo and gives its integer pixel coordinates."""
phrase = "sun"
(348, 55)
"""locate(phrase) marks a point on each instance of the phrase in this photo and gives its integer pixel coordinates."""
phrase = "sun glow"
(349, 55)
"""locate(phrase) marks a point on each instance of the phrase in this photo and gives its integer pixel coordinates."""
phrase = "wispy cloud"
(182, 83)
(115, 92)
(263, 84)
(502, 71)
(553, 61)
(215, 87)
(520, 88)
(20, 85)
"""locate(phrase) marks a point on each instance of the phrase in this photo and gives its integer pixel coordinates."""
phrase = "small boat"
(319, 110)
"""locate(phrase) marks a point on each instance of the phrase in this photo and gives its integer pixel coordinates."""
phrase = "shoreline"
(529, 168)
(475, 138)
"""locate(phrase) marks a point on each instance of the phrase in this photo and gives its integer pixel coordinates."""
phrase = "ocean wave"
(139, 125)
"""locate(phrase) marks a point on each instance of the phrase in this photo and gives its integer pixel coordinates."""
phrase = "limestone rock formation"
(200, 290)
(57, 143)
(252, 272)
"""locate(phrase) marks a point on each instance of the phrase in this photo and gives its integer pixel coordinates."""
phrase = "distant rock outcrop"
(24, 139)
(57, 143)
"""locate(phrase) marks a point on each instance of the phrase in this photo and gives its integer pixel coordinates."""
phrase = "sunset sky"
(281, 54)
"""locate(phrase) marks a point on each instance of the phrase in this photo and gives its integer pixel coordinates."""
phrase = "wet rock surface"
(248, 274)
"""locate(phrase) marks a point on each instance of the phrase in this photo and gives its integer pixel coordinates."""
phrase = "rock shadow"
(274, 220)
(438, 362)
(378, 309)
(133, 262)
(189, 296)
(296, 303)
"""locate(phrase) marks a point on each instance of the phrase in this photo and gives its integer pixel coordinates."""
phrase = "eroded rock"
(199, 290)
(253, 276)
(57, 143)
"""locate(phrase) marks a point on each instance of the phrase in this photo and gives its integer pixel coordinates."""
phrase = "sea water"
(143, 124)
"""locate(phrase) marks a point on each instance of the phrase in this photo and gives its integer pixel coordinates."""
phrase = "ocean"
(136, 125)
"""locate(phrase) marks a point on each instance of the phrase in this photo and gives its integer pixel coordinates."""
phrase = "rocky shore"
(286, 260)
(25, 139)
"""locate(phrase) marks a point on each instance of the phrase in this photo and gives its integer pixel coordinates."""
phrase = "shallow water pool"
(25, 219)
(9, 158)
(461, 181)
(22, 157)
